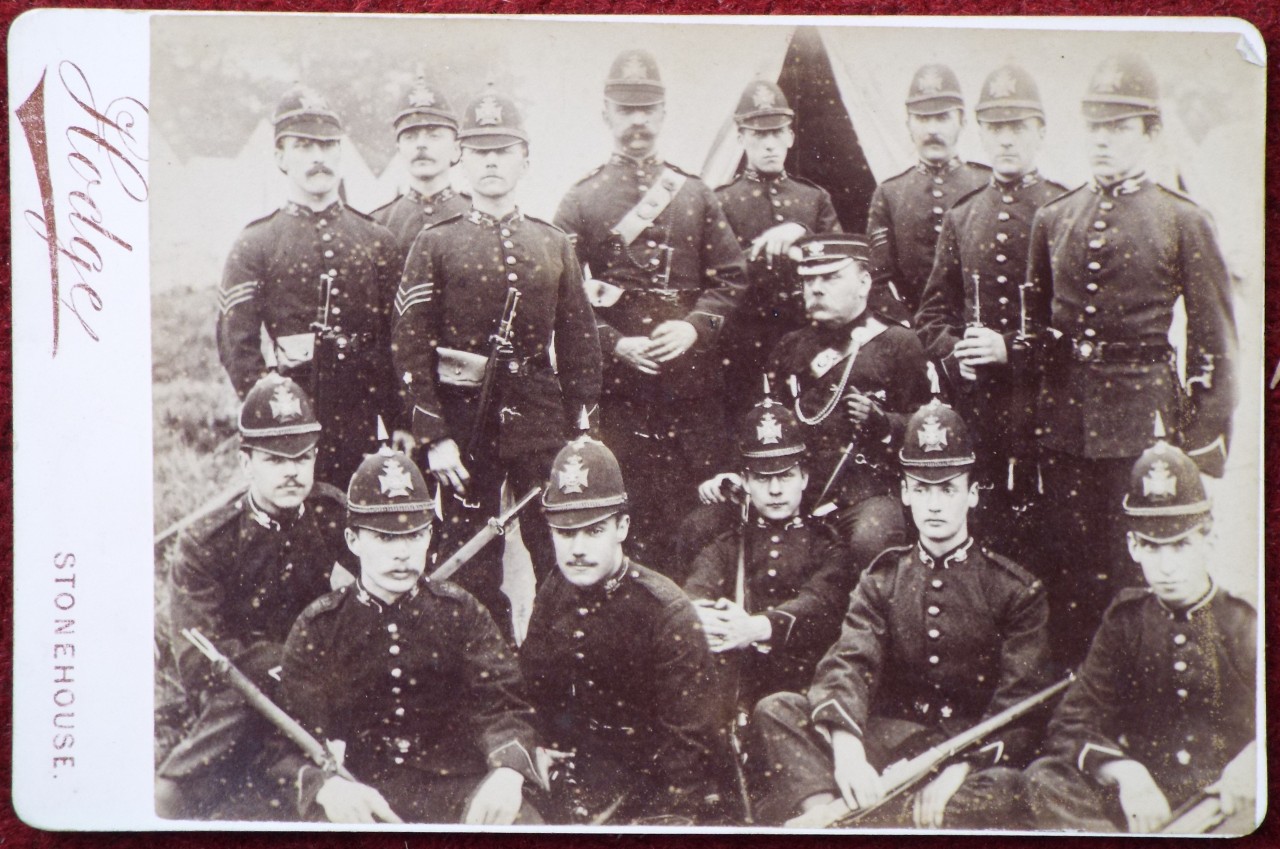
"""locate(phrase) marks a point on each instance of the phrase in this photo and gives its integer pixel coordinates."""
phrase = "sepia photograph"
(706, 423)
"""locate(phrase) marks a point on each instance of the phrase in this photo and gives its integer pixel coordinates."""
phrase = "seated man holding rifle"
(243, 572)
(408, 681)
(939, 636)
(1163, 714)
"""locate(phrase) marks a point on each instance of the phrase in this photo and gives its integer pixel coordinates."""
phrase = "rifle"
(501, 355)
(289, 726)
(495, 527)
(1197, 815)
(906, 774)
(1024, 366)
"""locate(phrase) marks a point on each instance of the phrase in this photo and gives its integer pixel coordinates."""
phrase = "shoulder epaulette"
(434, 224)
(325, 603)
(1064, 195)
(1129, 595)
(387, 206)
(679, 170)
(978, 166)
(447, 589)
(1177, 194)
(969, 195)
(888, 557)
(1017, 571)
(545, 223)
(737, 178)
(366, 216)
(1056, 186)
(330, 492)
(216, 518)
(263, 220)
(591, 173)
(804, 182)
(899, 175)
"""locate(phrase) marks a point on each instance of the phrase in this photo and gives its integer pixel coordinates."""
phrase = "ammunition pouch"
(460, 368)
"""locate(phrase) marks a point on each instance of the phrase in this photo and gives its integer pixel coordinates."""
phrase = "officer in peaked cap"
(316, 275)
(851, 379)
(937, 637)
(243, 572)
(970, 318)
(905, 216)
(615, 663)
(770, 622)
(1102, 297)
(768, 209)
(427, 140)
(449, 306)
(429, 695)
(1163, 708)
(667, 272)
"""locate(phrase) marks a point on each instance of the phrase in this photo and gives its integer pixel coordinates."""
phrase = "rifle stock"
(499, 349)
(495, 527)
(900, 777)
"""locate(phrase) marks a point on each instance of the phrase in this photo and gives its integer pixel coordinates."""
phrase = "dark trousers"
(1085, 551)
(482, 576)
(220, 769)
(789, 762)
(665, 450)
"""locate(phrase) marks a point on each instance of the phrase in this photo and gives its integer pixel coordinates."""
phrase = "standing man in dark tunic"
(427, 139)
(319, 277)
(1109, 265)
(854, 380)
(666, 272)
(970, 315)
(616, 665)
(770, 593)
(937, 637)
(449, 307)
(905, 216)
(1165, 705)
(243, 573)
(408, 679)
(768, 210)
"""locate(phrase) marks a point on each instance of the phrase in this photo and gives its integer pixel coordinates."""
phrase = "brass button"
(1179, 639)
(934, 610)
(394, 649)
(1180, 666)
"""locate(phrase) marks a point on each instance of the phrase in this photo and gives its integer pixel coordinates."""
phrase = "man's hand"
(671, 339)
(728, 626)
(445, 462)
(402, 440)
(1145, 807)
(775, 242)
(711, 491)
(931, 801)
(348, 802)
(497, 800)
(857, 780)
(981, 346)
(1237, 789)
(866, 414)
(634, 351)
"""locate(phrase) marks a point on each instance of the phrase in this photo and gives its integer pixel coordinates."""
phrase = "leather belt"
(1103, 351)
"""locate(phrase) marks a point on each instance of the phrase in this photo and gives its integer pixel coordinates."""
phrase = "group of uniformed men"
(821, 631)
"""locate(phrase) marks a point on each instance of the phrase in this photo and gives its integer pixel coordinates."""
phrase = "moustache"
(319, 169)
(935, 140)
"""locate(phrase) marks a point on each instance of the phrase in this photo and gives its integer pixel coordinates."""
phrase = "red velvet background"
(1264, 14)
